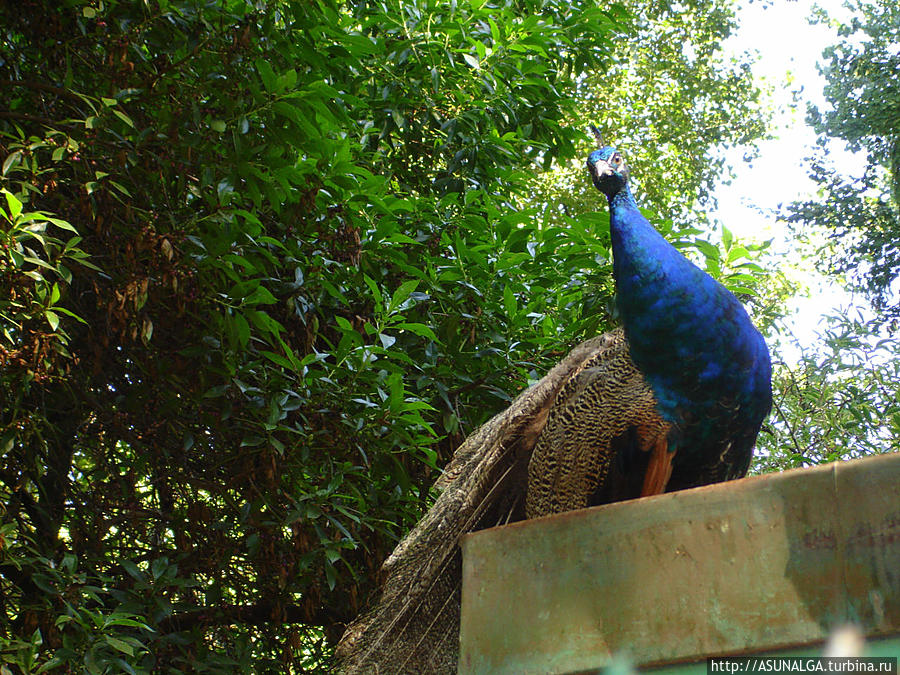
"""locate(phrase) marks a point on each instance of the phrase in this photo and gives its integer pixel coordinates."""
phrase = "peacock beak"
(600, 168)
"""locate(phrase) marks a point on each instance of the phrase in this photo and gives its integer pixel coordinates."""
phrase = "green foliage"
(265, 265)
(669, 100)
(32, 267)
(860, 212)
(841, 400)
(96, 630)
(672, 139)
(311, 284)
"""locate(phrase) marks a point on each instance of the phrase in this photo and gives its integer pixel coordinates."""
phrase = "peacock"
(674, 399)
(680, 398)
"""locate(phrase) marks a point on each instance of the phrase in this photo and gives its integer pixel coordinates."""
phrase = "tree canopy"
(264, 265)
(839, 398)
(859, 206)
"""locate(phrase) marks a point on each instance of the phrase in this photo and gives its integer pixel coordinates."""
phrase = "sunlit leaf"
(15, 206)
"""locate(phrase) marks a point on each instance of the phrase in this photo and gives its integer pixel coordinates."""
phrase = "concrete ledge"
(744, 567)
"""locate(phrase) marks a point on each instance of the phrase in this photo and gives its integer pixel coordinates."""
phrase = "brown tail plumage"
(553, 449)
(604, 409)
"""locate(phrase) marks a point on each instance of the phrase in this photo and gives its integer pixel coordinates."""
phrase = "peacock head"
(608, 170)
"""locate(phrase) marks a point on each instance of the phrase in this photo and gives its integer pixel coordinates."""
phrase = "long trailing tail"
(414, 625)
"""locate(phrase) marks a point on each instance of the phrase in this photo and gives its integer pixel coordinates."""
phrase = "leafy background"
(263, 266)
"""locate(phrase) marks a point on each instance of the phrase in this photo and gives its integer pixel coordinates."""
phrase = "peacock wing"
(603, 441)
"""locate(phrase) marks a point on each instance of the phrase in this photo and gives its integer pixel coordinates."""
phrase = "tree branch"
(43, 86)
(260, 614)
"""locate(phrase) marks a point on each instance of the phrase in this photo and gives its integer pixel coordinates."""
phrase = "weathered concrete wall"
(743, 567)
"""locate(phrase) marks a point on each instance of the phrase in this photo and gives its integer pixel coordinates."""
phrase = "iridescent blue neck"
(664, 299)
(623, 199)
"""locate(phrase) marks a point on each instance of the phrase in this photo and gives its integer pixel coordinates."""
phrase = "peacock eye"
(617, 159)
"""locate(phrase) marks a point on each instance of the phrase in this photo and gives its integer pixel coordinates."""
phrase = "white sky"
(788, 49)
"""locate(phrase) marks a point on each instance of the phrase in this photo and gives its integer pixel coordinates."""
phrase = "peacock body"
(688, 346)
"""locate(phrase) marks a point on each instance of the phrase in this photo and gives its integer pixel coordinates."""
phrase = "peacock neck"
(666, 300)
(623, 199)
(638, 249)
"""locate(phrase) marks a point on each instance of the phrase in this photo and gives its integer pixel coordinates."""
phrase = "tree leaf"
(11, 160)
(125, 118)
(401, 295)
(417, 328)
(119, 645)
(267, 75)
(15, 206)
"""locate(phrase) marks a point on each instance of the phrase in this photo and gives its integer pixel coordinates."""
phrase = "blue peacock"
(673, 400)
(677, 398)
